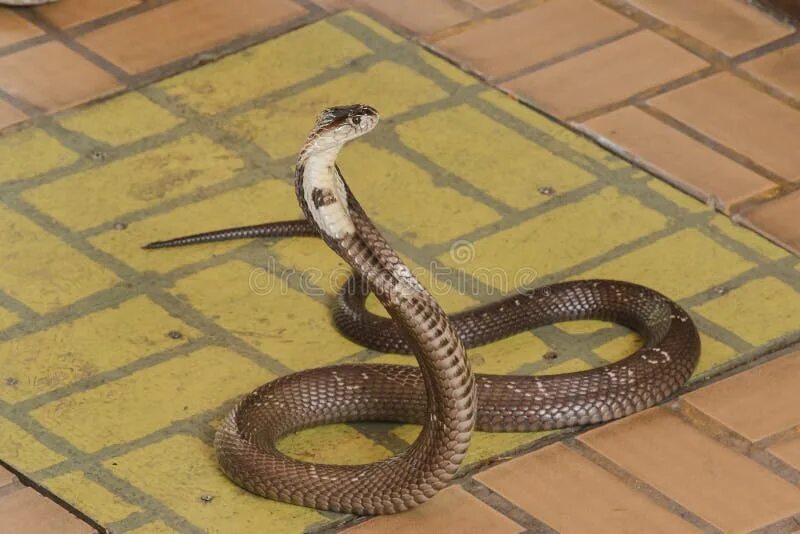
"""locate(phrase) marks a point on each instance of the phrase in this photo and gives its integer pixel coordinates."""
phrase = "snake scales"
(442, 394)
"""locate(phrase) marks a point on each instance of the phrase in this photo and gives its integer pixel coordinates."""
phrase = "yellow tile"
(394, 359)
(491, 156)
(393, 191)
(89, 198)
(281, 127)
(483, 444)
(41, 270)
(269, 200)
(562, 237)
(619, 347)
(574, 141)
(507, 355)
(7, 319)
(98, 342)
(181, 469)
(92, 498)
(287, 325)
(31, 152)
(677, 197)
(713, 353)
(153, 398)
(374, 26)
(156, 527)
(572, 365)
(582, 327)
(23, 450)
(748, 238)
(447, 69)
(759, 311)
(121, 120)
(333, 444)
(679, 265)
(265, 68)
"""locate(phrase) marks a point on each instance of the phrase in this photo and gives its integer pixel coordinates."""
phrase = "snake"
(441, 394)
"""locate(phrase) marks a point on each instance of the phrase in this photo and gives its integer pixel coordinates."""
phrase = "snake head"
(339, 124)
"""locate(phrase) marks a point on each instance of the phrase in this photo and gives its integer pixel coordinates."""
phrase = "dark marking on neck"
(322, 197)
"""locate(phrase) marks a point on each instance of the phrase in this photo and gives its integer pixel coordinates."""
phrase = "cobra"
(441, 394)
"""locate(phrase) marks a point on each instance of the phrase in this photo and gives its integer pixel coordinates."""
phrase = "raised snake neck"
(442, 394)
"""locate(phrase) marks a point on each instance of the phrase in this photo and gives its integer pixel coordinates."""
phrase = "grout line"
(500, 504)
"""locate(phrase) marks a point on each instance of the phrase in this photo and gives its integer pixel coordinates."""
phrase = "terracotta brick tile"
(728, 25)
(452, 510)
(778, 219)
(502, 46)
(54, 77)
(14, 28)
(489, 5)
(734, 113)
(723, 487)
(6, 477)
(756, 403)
(538, 483)
(788, 451)
(607, 74)
(781, 69)
(10, 115)
(74, 12)
(184, 27)
(683, 160)
(28, 511)
(334, 5)
(419, 16)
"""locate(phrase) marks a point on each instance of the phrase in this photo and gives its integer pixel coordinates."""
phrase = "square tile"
(720, 485)
(755, 403)
(23, 450)
(75, 12)
(26, 510)
(179, 29)
(452, 510)
(10, 115)
(537, 483)
(95, 501)
(501, 46)
(728, 25)
(419, 16)
(15, 29)
(30, 74)
(31, 152)
(736, 114)
(606, 75)
(682, 160)
(778, 219)
(780, 69)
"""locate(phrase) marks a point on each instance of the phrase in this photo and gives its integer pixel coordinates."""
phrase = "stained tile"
(756, 403)
(28, 511)
(75, 12)
(182, 28)
(14, 29)
(502, 46)
(684, 161)
(607, 74)
(10, 115)
(452, 510)
(728, 25)
(419, 16)
(780, 69)
(736, 114)
(723, 487)
(31, 75)
(599, 502)
(778, 219)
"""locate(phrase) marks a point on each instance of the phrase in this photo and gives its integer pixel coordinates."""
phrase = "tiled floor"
(96, 343)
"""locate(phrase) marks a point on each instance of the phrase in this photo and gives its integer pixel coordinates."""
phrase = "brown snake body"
(442, 394)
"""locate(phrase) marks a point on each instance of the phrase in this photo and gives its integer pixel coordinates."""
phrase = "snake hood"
(320, 188)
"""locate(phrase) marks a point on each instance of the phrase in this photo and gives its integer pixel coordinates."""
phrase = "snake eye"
(356, 120)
